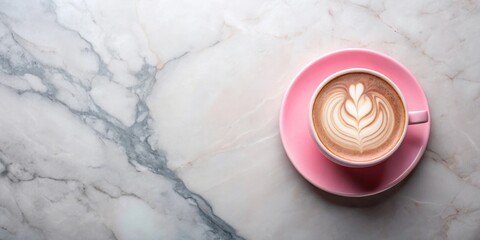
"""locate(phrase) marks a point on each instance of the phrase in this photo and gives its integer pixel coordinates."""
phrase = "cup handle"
(416, 117)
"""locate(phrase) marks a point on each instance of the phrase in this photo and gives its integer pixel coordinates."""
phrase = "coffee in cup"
(359, 117)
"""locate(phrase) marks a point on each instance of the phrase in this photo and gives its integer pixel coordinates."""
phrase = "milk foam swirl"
(356, 119)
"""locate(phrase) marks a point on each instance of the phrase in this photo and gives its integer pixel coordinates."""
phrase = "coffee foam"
(357, 116)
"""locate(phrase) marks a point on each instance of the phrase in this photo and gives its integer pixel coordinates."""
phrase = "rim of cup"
(338, 159)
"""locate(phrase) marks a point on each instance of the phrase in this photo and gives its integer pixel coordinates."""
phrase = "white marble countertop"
(159, 119)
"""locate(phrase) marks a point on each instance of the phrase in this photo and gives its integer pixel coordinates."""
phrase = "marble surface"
(159, 119)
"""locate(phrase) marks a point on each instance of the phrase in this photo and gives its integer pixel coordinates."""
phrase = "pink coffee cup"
(412, 117)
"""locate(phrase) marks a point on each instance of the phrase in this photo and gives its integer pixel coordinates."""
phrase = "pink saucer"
(305, 155)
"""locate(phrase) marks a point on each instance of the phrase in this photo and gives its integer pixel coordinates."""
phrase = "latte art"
(358, 117)
(361, 121)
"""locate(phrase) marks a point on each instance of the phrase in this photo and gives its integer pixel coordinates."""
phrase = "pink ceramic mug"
(414, 117)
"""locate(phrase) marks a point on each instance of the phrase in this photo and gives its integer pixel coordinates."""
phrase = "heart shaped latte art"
(357, 120)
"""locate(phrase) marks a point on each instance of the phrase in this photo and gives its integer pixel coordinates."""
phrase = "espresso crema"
(359, 117)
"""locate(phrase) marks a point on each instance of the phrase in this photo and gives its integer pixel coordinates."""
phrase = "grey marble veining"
(159, 119)
(17, 62)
